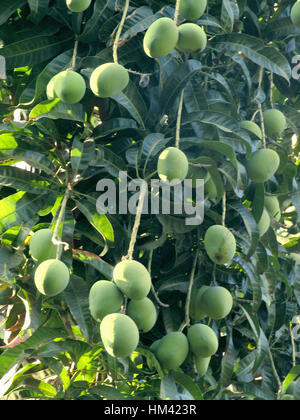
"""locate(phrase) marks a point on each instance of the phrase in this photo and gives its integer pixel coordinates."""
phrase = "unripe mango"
(119, 335)
(51, 277)
(216, 302)
(78, 5)
(172, 165)
(295, 14)
(275, 122)
(203, 340)
(220, 244)
(50, 88)
(196, 310)
(264, 223)
(192, 9)
(160, 38)
(104, 299)
(191, 38)
(109, 79)
(172, 350)
(69, 86)
(133, 279)
(273, 206)
(211, 189)
(143, 312)
(41, 246)
(202, 364)
(262, 165)
(252, 127)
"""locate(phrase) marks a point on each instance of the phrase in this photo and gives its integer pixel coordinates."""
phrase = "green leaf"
(186, 382)
(108, 392)
(23, 180)
(94, 261)
(255, 50)
(228, 360)
(39, 9)
(103, 10)
(168, 388)
(55, 109)
(8, 7)
(34, 50)
(114, 125)
(82, 154)
(76, 296)
(291, 376)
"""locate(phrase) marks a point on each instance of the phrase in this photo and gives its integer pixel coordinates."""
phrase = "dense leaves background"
(50, 347)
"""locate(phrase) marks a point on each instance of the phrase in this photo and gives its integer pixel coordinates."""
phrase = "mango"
(262, 165)
(51, 277)
(216, 302)
(172, 350)
(196, 310)
(295, 14)
(273, 206)
(252, 127)
(220, 244)
(50, 88)
(41, 246)
(275, 122)
(264, 223)
(109, 79)
(69, 86)
(210, 189)
(191, 38)
(203, 340)
(192, 9)
(104, 299)
(119, 335)
(78, 5)
(172, 165)
(160, 38)
(143, 312)
(202, 364)
(154, 345)
(133, 279)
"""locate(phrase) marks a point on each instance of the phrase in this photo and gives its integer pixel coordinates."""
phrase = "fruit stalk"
(74, 55)
(177, 6)
(178, 122)
(137, 221)
(55, 239)
(118, 34)
(261, 74)
(164, 305)
(187, 321)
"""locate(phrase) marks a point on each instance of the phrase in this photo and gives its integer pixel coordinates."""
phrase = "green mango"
(220, 244)
(109, 79)
(191, 38)
(192, 9)
(41, 246)
(196, 310)
(216, 302)
(273, 206)
(104, 298)
(202, 364)
(264, 223)
(51, 277)
(275, 122)
(203, 340)
(262, 165)
(78, 5)
(133, 279)
(143, 312)
(119, 335)
(69, 86)
(295, 14)
(172, 350)
(172, 165)
(160, 38)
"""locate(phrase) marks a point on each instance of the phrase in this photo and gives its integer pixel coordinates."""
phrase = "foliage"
(50, 347)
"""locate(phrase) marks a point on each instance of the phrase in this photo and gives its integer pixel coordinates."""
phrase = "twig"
(271, 89)
(275, 373)
(177, 6)
(118, 34)
(74, 55)
(261, 74)
(224, 209)
(55, 238)
(293, 346)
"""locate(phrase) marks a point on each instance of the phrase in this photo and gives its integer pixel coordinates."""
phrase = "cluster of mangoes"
(111, 78)
(173, 349)
(51, 276)
(119, 331)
